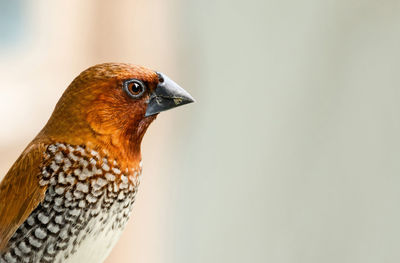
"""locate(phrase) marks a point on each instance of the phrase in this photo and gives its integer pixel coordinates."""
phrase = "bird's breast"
(86, 206)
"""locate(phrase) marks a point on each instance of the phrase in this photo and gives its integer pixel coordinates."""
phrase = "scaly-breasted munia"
(69, 195)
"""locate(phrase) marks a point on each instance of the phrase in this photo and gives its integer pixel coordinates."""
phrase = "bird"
(70, 193)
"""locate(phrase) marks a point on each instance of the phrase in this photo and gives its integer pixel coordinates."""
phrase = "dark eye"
(134, 87)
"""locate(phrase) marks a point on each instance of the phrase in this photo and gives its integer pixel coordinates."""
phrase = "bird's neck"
(119, 139)
(116, 146)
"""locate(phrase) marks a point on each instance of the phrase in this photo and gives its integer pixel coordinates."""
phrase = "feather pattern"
(88, 198)
(20, 192)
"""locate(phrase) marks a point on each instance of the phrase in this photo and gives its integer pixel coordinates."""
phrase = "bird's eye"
(134, 88)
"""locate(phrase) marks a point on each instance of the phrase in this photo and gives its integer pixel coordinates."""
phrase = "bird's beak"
(166, 96)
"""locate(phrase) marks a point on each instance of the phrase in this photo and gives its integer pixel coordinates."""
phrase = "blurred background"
(291, 153)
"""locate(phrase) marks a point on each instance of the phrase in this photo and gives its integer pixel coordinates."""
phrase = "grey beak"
(166, 96)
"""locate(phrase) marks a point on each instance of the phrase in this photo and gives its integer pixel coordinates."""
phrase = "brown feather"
(20, 192)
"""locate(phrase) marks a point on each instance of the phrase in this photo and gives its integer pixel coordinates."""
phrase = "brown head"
(110, 106)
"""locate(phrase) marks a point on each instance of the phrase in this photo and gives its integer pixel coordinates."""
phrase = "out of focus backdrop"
(292, 151)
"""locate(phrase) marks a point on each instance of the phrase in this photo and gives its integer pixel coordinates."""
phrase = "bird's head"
(110, 106)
